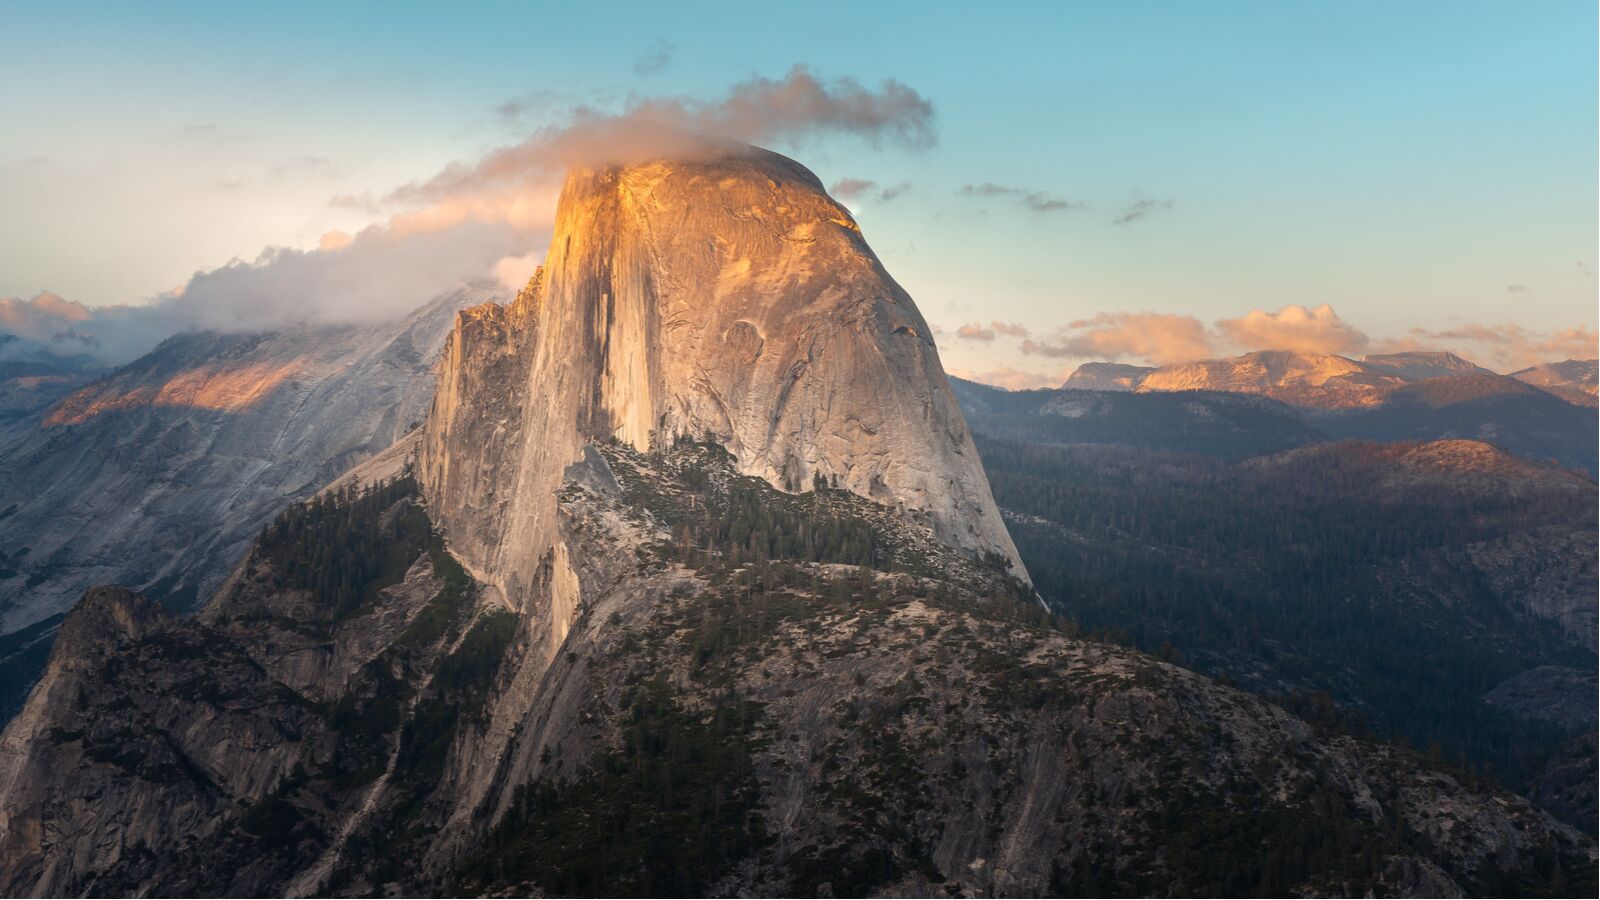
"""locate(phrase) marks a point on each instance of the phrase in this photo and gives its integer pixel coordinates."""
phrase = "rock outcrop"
(726, 298)
(1417, 365)
(1105, 376)
(1553, 693)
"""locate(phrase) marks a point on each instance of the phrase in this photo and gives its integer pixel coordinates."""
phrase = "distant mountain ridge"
(1107, 376)
(1325, 381)
(1318, 381)
(1573, 380)
(1543, 413)
(1415, 365)
(34, 375)
(1209, 423)
(1406, 580)
(1483, 406)
(158, 474)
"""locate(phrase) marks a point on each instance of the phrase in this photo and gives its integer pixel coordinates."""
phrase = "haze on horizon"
(1169, 181)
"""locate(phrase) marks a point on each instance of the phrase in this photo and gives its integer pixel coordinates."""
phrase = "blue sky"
(1413, 165)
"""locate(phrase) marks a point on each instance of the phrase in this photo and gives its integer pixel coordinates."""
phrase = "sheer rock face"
(727, 297)
(122, 749)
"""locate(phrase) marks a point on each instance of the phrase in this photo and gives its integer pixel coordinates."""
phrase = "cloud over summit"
(1158, 337)
(793, 109)
(487, 217)
(1167, 338)
(1295, 328)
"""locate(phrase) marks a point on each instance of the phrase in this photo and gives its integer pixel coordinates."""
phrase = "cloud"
(894, 192)
(376, 274)
(513, 272)
(1164, 338)
(848, 190)
(1038, 201)
(1160, 338)
(489, 217)
(335, 240)
(1138, 209)
(656, 58)
(1507, 346)
(1012, 379)
(1295, 328)
(760, 110)
(515, 188)
(41, 316)
(975, 332)
(67, 327)
(1516, 288)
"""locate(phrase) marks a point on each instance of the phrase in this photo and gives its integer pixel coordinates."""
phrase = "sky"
(1052, 182)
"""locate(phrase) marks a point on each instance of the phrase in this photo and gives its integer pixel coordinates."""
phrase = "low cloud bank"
(483, 218)
(977, 331)
(1159, 338)
(1012, 379)
(1506, 347)
(1167, 338)
(375, 275)
(1295, 328)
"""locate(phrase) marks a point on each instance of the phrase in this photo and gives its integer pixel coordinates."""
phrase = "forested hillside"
(1403, 581)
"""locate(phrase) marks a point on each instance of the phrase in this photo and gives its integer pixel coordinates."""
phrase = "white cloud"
(1296, 328)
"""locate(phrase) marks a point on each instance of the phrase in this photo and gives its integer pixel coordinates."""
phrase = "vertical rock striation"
(727, 297)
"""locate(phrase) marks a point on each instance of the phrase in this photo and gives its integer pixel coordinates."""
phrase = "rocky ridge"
(1302, 379)
(716, 681)
(1573, 380)
(1105, 376)
(158, 475)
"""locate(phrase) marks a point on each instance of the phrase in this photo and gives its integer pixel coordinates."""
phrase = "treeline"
(748, 521)
(347, 544)
(664, 815)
